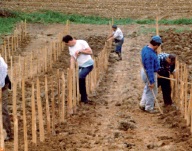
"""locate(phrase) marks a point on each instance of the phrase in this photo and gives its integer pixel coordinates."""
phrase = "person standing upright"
(118, 37)
(151, 65)
(81, 52)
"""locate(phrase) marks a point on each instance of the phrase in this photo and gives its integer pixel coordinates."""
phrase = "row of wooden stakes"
(25, 77)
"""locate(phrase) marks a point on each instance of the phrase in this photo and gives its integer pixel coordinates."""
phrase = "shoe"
(142, 107)
(152, 111)
(88, 102)
(8, 138)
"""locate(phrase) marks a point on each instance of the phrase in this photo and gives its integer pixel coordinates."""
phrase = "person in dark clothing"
(167, 67)
(5, 84)
(5, 112)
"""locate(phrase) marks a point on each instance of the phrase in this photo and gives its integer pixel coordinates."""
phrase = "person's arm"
(86, 51)
(110, 37)
(149, 65)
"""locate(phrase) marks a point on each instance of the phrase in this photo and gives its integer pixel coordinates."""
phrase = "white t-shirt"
(118, 34)
(82, 58)
(3, 72)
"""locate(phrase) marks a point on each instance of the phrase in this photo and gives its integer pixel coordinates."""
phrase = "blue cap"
(157, 39)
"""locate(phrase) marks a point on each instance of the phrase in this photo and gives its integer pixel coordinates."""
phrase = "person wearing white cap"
(118, 37)
(151, 65)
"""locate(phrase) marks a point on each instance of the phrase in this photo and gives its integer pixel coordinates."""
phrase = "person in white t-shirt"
(5, 84)
(118, 37)
(81, 52)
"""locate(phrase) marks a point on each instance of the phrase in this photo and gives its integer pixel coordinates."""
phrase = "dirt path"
(115, 123)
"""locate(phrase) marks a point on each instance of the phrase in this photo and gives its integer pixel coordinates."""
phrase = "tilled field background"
(114, 122)
(139, 9)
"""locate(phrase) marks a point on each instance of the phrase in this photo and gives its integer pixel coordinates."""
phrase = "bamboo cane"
(34, 119)
(53, 108)
(63, 98)
(2, 145)
(47, 106)
(15, 119)
(24, 115)
(40, 114)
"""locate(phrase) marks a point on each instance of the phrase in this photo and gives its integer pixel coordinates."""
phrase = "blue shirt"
(150, 62)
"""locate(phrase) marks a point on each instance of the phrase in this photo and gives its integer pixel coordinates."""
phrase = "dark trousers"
(82, 89)
(119, 44)
(83, 72)
(5, 112)
(165, 87)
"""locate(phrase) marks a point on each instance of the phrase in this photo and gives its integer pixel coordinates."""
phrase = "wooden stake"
(31, 65)
(69, 98)
(47, 106)
(11, 68)
(8, 48)
(185, 90)
(74, 90)
(46, 53)
(63, 99)
(12, 44)
(2, 145)
(53, 107)
(25, 28)
(20, 72)
(15, 119)
(5, 51)
(157, 25)
(34, 119)
(40, 114)
(58, 91)
(189, 108)
(24, 116)
(77, 83)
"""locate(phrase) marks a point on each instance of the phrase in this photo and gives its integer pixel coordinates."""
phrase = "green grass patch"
(7, 24)
(146, 30)
(49, 17)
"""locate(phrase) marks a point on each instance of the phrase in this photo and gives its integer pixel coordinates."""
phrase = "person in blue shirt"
(151, 65)
(167, 66)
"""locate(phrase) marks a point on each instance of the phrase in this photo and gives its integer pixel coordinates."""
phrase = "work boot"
(142, 107)
(152, 111)
(120, 56)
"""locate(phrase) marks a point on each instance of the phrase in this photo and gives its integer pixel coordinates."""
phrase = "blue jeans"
(119, 45)
(148, 99)
(83, 72)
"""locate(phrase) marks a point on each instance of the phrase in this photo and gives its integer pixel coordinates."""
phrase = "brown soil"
(108, 8)
(114, 122)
